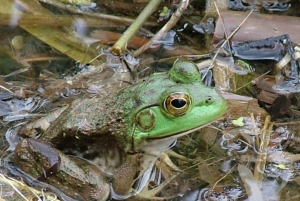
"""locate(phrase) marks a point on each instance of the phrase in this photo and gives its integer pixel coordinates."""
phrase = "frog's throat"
(143, 144)
(180, 134)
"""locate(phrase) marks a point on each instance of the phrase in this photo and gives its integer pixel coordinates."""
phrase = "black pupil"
(178, 103)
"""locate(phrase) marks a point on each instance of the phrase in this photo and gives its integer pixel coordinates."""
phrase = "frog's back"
(83, 117)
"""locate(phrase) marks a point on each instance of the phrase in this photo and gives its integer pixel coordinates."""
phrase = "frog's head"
(167, 106)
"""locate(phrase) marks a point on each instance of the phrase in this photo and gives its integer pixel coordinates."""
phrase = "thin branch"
(173, 20)
(53, 21)
(74, 9)
(222, 22)
(226, 41)
(230, 36)
(119, 47)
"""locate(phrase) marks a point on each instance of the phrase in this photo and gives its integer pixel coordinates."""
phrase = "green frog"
(120, 134)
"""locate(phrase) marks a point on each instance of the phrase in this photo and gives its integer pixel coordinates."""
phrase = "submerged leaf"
(251, 185)
(164, 12)
(238, 122)
(281, 166)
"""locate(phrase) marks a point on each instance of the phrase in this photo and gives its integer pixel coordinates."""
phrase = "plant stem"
(111, 18)
(175, 17)
(120, 45)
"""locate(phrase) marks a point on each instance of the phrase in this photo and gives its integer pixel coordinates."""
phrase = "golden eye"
(177, 103)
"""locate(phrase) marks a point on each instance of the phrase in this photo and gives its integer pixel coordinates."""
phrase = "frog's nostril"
(208, 100)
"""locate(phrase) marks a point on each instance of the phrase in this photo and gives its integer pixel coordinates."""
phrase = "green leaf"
(238, 122)
(281, 166)
(164, 11)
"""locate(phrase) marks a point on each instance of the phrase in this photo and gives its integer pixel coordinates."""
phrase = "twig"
(173, 20)
(216, 183)
(4, 88)
(35, 59)
(119, 47)
(222, 22)
(22, 70)
(14, 187)
(252, 80)
(54, 21)
(74, 9)
(255, 130)
(262, 154)
(227, 39)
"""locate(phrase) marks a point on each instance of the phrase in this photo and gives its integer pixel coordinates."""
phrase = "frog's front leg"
(124, 176)
(127, 176)
(75, 177)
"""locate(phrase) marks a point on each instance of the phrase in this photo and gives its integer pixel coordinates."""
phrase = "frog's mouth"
(156, 145)
(153, 147)
(177, 135)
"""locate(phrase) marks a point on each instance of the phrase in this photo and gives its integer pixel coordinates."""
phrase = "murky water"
(52, 53)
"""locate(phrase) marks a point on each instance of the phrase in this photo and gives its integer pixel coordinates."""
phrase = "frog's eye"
(177, 103)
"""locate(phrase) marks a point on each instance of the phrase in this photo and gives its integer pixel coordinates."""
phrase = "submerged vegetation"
(61, 56)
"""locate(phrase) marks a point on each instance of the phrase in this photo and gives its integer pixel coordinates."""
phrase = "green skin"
(128, 130)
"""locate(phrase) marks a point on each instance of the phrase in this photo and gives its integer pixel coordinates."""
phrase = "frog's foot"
(150, 194)
(165, 165)
(146, 193)
(165, 157)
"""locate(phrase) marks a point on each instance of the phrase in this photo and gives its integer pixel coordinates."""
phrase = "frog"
(88, 180)
(122, 134)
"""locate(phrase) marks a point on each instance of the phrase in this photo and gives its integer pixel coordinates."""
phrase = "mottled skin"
(130, 129)
(58, 169)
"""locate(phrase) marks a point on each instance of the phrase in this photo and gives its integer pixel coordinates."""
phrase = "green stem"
(173, 20)
(120, 45)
